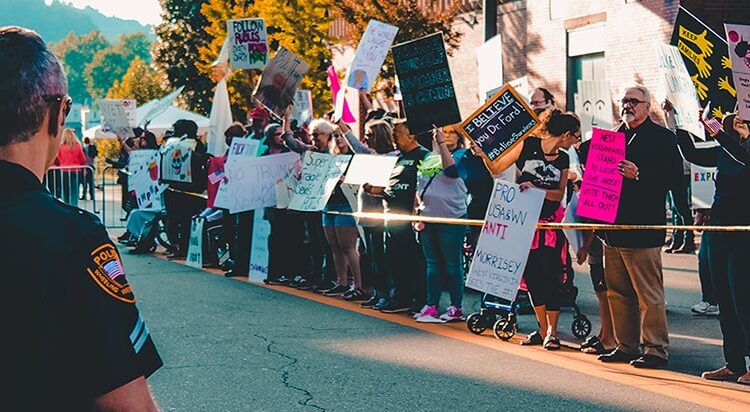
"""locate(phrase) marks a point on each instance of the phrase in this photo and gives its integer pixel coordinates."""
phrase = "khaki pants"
(636, 298)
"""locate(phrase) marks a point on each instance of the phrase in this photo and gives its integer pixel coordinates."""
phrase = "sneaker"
(382, 302)
(721, 374)
(338, 290)
(454, 313)
(305, 285)
(298, 280)
(394, 306)
(280, 281)
(706, 309)
(429, 314)
(713, 310)
(323, 286)
(425, 309)
(356, 295)
(370, 303)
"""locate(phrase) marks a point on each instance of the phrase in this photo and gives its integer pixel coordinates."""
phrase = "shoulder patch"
(107, 272)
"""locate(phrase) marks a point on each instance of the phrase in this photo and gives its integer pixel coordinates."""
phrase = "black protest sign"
(501, 123)
(426, 83)
(706, 57)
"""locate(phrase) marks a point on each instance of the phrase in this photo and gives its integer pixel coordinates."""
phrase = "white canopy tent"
(159, 124)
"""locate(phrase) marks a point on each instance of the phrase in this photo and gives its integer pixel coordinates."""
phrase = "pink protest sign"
(599, 197)
(333, 77)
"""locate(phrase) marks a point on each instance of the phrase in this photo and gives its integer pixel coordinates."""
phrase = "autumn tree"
(412, 20)
(110, 64)
(140, 82)
(76, 52)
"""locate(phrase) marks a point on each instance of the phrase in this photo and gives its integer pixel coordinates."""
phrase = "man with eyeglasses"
(76, 340)
(632, 258)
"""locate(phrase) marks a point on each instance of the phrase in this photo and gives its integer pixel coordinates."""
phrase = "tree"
(76, 52)
(110, 64)
(180, 36)
(412, 21)
(140, 82)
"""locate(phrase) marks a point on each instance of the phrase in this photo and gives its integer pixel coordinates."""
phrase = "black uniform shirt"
(72, 331)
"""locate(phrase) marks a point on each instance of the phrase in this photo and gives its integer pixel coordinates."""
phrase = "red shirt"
(71, 156)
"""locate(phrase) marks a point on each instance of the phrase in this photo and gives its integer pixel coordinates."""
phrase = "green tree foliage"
(110, 64)
(140, 82)
(412, 21)
(180, 35)
(76, 52)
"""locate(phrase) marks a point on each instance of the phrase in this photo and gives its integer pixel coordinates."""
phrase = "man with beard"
(633, 265)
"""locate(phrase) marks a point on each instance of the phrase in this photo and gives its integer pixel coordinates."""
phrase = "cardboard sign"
(702, 186)
(320, 174)
(239, 148)
(252, 180)
(259, 251)
(249, 43)
(490, 66)
(500, 124)
(373, 169)
(426, 83)
(738, 36)
(705, 55)
(118, 116)
(279, 81)
(176, 160)
(145, 179)
(505, 240)
(302, 108)
(679, 89)
(136, 160)
(195, 248)
(602, 182)
(370, 55)
(593, 104)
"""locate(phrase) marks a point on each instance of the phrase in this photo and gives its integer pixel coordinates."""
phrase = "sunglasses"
(65, 101)
(631, 102)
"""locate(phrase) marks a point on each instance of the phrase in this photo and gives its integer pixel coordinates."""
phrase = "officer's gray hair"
(30, 78)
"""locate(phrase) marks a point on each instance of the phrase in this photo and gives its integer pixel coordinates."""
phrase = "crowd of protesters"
(406, 266)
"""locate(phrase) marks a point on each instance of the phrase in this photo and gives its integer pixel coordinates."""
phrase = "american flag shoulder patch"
(105, 268)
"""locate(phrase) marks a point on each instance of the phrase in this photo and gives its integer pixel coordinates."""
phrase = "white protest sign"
(239, 148)
(372, 169)
(176, 160)
(252, 180)
(575, 237)
(490, 65)
(259, 252)
(136, 160)
(320, 174)
(118, 116)
(351, 193)
(593, 103)
(249, 43)
(679, 89)
(302, 108)
(195, 247)
(521, 85)
(145, 178)
(504, 243)
(370, 55)
(280, 81)
(702, 186)
(738, 41)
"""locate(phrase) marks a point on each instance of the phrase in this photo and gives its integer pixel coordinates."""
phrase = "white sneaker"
(429, 314)
(713, 310)
(701, 308)
(425, 310)
(453, 313)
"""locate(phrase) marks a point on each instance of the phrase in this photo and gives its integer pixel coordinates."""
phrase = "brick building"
(557, 42)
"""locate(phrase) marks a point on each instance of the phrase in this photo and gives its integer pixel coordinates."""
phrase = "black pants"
(87, 182)
(406, 259)
(284, 243)
(704, 272)
(243, 236)
(730, 264)
(543, 273)
(318, 252)
(679, 200)
(181, 208)
(375, 271)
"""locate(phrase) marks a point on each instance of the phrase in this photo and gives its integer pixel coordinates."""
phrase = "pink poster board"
(333, 77)
(599, 197)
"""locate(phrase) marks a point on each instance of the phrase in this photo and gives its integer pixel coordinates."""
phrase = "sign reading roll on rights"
(426, 83)
(602, 182)
(249, 43)
(505, 240)
(500, 124)
(280, 80)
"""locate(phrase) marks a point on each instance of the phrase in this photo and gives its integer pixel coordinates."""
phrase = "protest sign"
(575, 237)
(705, 55)
(144, 176)
(505, 240)
(500, 124)
(372, 169)
(118, 116)
(370, 55)
(320, 174)
(215, 178)
(702, 186)
(195, 247)
(239, 148)
(259, 251)
(593, 104)
(679, 89)
(521, 85)
(738, 36)
(136, 160)
(249, 43)
(160, 106)
(302, 108)
(602, 182)
(176, 160)
(490, 66)
(426, 83)
(252, 180)
(279, 81)
(351, 193)
(220, 119)
(341, 109)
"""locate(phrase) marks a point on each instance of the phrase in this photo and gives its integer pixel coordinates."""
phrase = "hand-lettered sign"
(370, 55)
(249, 43)
(320, 174)
(679, 90)
(280, 81)
(602, 181)
(738, 36)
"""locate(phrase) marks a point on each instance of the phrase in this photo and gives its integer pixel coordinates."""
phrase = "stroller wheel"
(504, 329)
(474, 324)
(581, 327)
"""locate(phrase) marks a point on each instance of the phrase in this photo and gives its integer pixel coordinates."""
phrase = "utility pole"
(490, 19)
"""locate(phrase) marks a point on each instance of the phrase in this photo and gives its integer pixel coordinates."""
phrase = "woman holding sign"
(544, 165)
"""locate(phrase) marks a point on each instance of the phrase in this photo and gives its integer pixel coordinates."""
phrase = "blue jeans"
(443, 250)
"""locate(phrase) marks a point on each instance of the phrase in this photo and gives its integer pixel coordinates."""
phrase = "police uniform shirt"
(72, 331)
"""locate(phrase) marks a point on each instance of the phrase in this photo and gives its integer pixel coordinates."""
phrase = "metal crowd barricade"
(115, 205)
(68, 183)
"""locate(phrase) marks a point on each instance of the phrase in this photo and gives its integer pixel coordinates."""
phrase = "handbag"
(418, 226)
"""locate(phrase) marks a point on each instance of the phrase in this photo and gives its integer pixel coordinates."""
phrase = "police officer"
(74, 339)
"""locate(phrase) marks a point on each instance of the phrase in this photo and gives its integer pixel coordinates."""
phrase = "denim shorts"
(338, 220)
